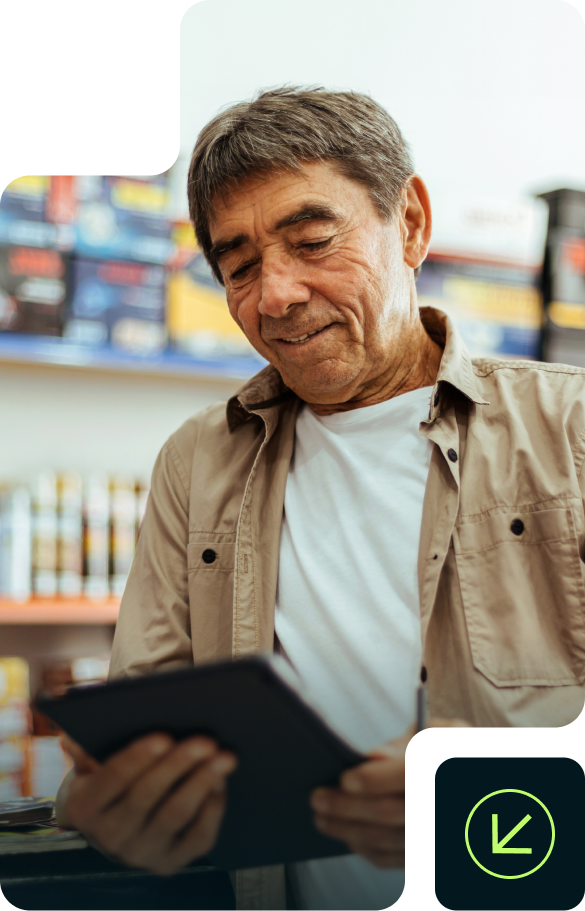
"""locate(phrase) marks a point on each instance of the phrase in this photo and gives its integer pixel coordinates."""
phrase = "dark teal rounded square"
(510, 834)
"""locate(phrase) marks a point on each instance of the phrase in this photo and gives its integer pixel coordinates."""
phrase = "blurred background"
(113, 331)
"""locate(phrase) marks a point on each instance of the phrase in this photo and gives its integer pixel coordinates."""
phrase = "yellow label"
(193, 308)
(140, 197)
(567, 316)
(29, 186)
(183, 235)
(500, 303)
(14, 679)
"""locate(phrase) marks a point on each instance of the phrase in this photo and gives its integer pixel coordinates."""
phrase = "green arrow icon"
(498, 846)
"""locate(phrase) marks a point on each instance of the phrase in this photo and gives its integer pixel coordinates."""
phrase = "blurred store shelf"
(52, 611)
(45, 350)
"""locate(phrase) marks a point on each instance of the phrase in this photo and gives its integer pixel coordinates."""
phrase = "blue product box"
(123, 218)
(117, 303)
(26, 214)
(496, 307)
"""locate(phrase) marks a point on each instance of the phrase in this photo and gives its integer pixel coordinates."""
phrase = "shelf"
(58, 611)
(18, 348)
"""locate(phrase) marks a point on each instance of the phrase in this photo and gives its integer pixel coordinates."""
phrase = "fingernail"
(352, 784)
(218, 787)
(223, 765)
(320, 802)
(158, 747)
(199, 750)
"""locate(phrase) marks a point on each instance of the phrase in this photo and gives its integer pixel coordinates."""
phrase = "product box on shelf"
(484, 269)
(121, 303)
(497, 307)
(33, 289)
(38, 211)
(123, 218)
(14, 726)
(198, 318)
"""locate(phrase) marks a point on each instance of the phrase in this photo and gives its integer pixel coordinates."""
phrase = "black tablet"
(248, 706)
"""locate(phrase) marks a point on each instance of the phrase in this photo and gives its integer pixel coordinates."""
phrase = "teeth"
(301, 338)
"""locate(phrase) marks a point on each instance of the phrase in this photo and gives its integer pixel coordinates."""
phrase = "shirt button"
(452, 455)
(423, 674)
(517, 527)
(209, 555)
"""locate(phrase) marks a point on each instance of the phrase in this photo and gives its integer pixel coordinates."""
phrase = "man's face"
(316, 279)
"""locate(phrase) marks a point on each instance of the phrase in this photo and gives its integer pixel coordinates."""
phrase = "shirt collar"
(267, 389)
(456, 367)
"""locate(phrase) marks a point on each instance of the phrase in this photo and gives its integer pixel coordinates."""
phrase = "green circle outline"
(510, 791)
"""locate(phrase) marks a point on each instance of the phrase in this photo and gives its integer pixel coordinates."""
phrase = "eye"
(316, 245)
(241, 272)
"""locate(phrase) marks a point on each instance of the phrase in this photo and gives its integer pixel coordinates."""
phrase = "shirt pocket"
(523, 597)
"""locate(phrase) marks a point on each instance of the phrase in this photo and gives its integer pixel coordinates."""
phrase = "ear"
(416, 221)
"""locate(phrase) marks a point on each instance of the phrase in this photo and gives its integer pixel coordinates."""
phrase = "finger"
(375, 776)
(124, 822)
(155, 840)
(82, 761)
(198, 839)
(180, 808)
(90, 795)
(387, 811)
(362, 837)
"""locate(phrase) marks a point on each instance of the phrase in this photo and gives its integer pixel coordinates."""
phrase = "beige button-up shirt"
(501, 554)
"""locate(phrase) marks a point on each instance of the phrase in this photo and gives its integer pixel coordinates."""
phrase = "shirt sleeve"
(153, 629)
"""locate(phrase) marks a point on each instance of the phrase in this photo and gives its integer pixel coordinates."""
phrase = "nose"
(282, 286)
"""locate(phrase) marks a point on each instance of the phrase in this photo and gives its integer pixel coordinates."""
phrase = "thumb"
(82, 761)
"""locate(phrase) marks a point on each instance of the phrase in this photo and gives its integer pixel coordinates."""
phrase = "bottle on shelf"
(96, 536)
(122, 532)
(45, 534)
(15, 543)
(70, 535)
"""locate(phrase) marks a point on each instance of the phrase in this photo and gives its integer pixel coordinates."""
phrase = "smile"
(301, 338)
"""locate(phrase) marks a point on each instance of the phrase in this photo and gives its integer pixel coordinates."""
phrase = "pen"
(421, 702)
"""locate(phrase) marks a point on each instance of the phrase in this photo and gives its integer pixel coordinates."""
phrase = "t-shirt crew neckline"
(395, 406)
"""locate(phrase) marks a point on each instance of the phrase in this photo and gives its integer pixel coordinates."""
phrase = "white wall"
(65, 418)
(489, 94)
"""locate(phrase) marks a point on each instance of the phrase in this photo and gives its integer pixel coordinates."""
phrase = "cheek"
(244, 310)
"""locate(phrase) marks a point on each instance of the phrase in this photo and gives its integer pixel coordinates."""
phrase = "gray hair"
(281, 129)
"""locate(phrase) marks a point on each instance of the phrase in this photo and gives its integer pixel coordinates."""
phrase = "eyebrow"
(307, 212)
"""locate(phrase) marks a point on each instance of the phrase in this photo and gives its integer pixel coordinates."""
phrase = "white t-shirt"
(347, 606)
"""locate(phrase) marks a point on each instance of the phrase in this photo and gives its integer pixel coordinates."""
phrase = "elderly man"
(374, 505)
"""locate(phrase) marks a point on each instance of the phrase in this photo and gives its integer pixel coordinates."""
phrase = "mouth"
(302, 339)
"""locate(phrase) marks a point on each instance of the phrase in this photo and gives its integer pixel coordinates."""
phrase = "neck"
(418, 366)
